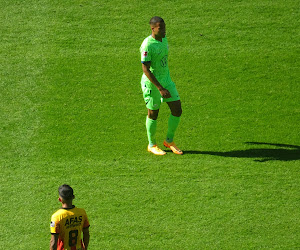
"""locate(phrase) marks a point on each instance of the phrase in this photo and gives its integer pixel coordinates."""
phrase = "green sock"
(172, 126)
(151, 130)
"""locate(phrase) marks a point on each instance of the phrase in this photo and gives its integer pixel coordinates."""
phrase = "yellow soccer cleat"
(173, 147)
(156, 150)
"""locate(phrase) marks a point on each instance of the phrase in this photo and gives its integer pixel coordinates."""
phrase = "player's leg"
(174, 119)
(151, 124)
(153, 100)
(175, 108)
(176, 111)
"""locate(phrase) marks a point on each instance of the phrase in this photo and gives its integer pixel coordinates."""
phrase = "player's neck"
(158, 38)
(67, 205)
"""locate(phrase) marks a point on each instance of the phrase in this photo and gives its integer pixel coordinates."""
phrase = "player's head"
(158, 26)
(65, 193)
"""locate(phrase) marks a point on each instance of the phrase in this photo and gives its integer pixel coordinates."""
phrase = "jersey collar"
(68, 208)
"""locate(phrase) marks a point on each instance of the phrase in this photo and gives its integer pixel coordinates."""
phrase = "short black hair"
(156, 19)
(66, 192)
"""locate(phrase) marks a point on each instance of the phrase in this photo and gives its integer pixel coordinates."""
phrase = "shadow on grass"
(278, 152)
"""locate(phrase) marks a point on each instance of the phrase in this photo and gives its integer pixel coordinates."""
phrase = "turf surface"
(71, 111)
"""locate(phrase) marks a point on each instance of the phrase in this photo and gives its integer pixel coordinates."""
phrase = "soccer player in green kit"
(158, 87)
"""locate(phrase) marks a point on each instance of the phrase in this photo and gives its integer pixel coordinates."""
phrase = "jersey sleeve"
(145, 53)
(54, 225)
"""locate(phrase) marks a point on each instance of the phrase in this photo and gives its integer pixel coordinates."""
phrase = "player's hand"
(165, 93)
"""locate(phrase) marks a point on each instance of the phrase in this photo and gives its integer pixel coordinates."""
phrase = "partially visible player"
(68, 223)
(158, 87)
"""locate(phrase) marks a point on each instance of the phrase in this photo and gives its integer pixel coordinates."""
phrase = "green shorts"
(153, 99)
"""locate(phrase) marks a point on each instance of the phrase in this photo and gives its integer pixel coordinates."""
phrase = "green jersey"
(156, 52)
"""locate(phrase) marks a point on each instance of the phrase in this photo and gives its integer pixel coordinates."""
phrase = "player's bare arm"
(53, 241)
(86, 237)
(146, 69)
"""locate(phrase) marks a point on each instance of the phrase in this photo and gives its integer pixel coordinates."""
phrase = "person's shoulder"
(147, 41)
(79, 210)
(58, 212)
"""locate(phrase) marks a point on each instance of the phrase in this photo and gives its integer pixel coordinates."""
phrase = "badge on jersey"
(145, 54)
(52, 224)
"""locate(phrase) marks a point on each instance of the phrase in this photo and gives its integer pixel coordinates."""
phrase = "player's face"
(159, 30)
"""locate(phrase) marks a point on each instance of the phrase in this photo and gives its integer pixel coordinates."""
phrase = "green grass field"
(71, 111)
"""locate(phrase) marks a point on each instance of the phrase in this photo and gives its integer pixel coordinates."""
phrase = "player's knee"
(153, 114)
(177, 112)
